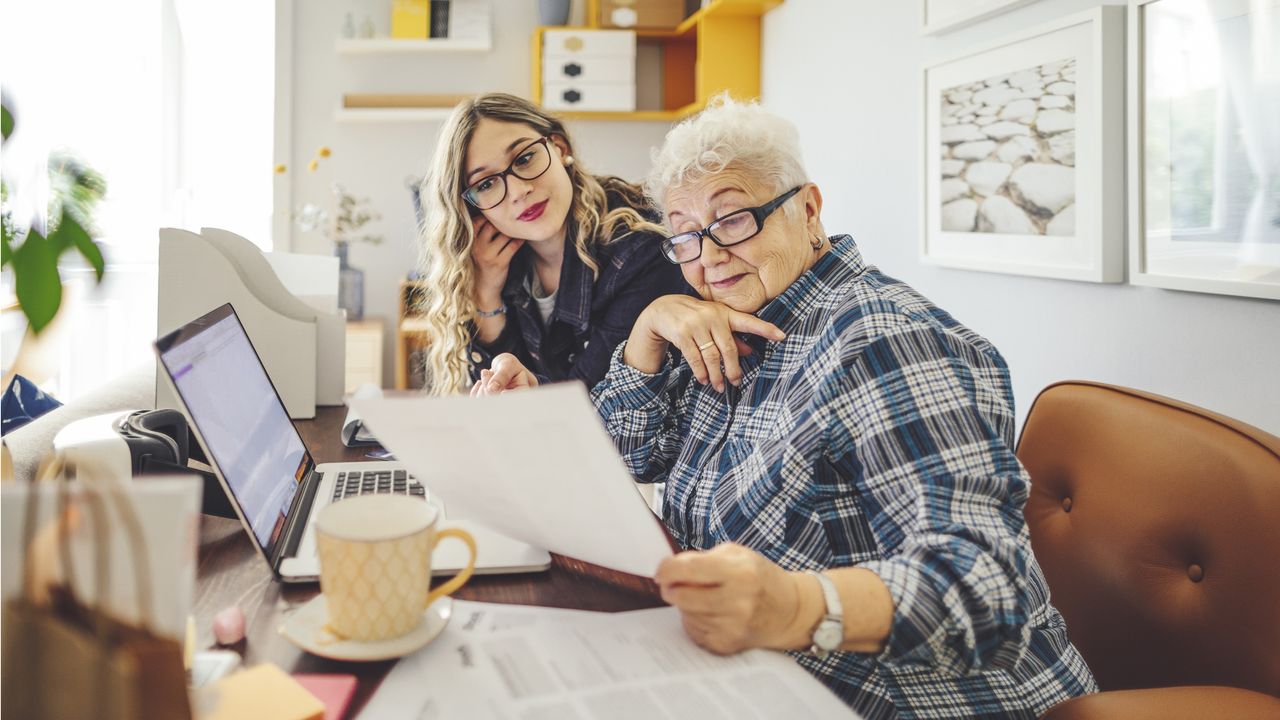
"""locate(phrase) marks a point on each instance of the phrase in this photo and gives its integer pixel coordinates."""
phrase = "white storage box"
(588, 97)
(592, 70)
(589, 70)
(586, 42)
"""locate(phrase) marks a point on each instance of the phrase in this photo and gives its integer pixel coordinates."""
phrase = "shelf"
(414, 325)
(727, 8)
(382, 115)
(386, 46)
(637, 115)
(714, 50)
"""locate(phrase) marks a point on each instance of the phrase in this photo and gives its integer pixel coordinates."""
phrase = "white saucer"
(305, 627)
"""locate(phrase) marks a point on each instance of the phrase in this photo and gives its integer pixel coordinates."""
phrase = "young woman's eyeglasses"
(731, 229)
(530, 163)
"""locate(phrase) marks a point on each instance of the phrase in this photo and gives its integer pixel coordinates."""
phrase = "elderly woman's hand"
(504, 374)
(703, 332)
(733, 598)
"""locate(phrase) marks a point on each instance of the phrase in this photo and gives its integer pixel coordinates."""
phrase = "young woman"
(525, 252)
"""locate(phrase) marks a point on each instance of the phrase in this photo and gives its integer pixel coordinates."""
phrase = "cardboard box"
(641, 13)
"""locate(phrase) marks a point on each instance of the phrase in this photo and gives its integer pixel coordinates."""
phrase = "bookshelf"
(411, 336)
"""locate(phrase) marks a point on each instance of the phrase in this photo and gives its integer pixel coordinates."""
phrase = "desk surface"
(231, 573)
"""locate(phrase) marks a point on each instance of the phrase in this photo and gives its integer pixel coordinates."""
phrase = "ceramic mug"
(375, 564)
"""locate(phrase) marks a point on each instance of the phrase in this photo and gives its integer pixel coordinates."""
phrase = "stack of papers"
(511, 661)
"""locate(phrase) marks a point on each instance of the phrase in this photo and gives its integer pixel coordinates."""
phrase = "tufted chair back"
(1157, 525)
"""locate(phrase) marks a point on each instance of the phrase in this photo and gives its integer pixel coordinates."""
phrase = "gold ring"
(706, 344)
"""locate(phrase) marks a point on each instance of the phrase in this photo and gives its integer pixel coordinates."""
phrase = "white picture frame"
(1029, 173)
(941, 16)
(1209, 234)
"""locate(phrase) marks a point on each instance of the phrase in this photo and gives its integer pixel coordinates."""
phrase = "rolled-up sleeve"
(643, 414)
(920, 432)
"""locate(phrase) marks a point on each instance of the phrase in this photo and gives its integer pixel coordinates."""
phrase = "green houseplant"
(31, 252)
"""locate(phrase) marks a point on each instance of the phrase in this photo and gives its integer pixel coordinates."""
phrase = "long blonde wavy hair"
(447, 233)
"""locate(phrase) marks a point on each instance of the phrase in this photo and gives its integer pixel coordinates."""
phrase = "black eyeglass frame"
(760, 213)
(511, 170)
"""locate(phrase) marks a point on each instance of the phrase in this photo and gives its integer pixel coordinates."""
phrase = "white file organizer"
(303, 349)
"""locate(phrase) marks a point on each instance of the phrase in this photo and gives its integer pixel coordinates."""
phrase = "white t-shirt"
(545, 303)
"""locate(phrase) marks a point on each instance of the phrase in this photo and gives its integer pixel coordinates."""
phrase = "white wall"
(849, 74)
(373, 159)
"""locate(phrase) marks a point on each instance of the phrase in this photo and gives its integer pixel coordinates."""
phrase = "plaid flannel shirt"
(877, 434)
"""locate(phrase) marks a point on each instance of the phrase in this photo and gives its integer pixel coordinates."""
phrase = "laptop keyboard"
(377, 481)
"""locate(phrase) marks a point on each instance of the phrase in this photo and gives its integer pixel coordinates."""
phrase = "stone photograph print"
(1008, 153)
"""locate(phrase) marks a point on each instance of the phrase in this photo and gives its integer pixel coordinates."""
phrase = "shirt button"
(475, 356)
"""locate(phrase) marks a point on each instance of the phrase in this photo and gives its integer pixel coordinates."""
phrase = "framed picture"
(1024, 153)
(1204, 146)
(946, 15)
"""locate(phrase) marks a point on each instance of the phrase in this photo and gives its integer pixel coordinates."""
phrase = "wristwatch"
(829, 635)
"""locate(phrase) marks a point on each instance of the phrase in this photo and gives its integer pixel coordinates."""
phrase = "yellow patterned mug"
(375, 564)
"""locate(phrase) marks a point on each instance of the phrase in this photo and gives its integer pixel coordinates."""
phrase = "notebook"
(267, 470)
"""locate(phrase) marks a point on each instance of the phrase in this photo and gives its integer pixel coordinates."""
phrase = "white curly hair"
(728, 133)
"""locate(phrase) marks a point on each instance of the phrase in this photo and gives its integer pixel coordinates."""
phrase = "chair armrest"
(1173, 703)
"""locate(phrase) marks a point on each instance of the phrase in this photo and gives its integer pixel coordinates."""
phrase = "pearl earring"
(568, 160)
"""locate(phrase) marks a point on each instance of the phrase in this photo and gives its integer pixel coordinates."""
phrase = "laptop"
(267, 470)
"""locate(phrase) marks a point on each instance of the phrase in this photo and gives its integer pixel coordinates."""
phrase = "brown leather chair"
(1157, 525)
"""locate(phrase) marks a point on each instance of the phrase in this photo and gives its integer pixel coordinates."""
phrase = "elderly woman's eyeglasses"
(530, 163)
(731, 229)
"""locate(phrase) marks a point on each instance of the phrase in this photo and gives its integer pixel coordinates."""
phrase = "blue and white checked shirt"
(877, 434)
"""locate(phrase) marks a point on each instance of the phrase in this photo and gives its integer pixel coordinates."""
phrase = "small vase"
(553, 12)
(350, 284)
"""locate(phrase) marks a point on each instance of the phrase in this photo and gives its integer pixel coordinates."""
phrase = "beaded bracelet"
(502, 310)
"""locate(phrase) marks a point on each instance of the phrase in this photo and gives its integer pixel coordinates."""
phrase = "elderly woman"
(836, 449)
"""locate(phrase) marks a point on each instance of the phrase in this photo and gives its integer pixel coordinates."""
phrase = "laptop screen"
(244, 425)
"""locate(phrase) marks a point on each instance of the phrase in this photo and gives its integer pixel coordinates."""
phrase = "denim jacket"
(592, 314)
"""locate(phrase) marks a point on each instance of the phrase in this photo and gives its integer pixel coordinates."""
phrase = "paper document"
(526, 663)
(536, 465)
(354, 433)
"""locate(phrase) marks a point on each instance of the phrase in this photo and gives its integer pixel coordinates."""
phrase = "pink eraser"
(228, 626)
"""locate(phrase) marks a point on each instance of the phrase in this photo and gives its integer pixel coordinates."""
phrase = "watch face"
(829, 635)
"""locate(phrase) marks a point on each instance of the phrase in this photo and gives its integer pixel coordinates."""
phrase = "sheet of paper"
(512, 662)
(353, 430)
(536, 465)
(312, 278)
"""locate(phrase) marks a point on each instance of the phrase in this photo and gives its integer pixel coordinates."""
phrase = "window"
(172, 101)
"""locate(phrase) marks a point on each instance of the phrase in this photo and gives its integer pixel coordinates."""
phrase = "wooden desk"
(231, 573)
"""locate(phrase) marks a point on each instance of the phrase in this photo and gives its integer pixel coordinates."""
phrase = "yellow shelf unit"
(716, 49)
(411, 336)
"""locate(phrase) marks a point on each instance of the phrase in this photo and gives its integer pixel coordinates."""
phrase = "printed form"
(511, 662)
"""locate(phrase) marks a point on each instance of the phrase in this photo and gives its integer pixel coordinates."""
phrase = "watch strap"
(833, 619)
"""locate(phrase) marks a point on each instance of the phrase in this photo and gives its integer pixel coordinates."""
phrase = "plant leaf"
(36, 280)
(71, 233)
(6, 123)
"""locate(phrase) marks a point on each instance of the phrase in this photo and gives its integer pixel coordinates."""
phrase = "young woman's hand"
(491, 252)
(505, 373)
(701, 330)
